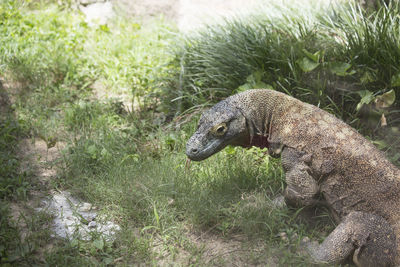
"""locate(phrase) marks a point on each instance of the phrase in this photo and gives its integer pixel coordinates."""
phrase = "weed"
(8, 233)
(13, 182)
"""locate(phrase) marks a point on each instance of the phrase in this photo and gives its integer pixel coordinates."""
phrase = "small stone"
(279, 202)
(97, 13)
(89, 216)
(305, 240)
(92, 217)
(69, 222)
(85, 207)
(284, 236)
(92, 224)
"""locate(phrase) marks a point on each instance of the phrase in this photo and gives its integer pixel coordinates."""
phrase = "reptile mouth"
(196, 154)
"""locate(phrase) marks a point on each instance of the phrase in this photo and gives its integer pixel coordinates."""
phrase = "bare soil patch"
(149, 9)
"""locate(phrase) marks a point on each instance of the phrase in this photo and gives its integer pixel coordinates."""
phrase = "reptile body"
(322, 157)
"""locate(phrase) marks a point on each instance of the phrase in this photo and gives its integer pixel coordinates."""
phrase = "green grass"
(56, 57)
(326, 59)
(343, 60)
(147, 187)
(371, 45)
(13, 183)
(18, 244)
(131, 164)
(50, 58)
(230, 194)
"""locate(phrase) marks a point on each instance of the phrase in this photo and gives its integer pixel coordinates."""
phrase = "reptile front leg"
(367, 237)
(301, 186)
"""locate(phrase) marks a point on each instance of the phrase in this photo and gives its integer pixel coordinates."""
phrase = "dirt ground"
(187, 14)
(148, 9)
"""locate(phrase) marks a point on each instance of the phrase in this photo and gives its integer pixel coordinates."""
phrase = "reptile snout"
(195, 149)
(192, 149)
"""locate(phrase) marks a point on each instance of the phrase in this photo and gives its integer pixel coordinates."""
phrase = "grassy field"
(122, 100)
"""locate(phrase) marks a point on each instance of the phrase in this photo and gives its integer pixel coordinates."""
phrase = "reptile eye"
(220, 129)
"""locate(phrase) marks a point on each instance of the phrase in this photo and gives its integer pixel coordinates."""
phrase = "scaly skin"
(321, 155)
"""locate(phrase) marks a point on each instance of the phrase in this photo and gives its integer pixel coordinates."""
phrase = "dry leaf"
(383, 120)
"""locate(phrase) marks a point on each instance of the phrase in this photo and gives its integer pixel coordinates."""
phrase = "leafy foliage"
(43, 49)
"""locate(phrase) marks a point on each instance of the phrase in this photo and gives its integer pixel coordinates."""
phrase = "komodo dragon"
(322, 157)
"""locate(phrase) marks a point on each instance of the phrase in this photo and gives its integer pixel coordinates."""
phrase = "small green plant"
(13, 182)
(44, 50)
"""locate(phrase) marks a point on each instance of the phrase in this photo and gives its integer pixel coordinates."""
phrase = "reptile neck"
(261, 108)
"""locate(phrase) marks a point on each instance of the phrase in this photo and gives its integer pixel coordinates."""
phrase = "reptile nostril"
(194, 150)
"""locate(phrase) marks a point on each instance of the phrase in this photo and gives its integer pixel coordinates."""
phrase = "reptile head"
(222, 125)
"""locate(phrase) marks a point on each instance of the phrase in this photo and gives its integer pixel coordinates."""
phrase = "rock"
(284, 237)
(73, 219)
(69, 222)
(85, 207)
(90, 216)
(279, 202)
(305, 240)
(97, 13)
